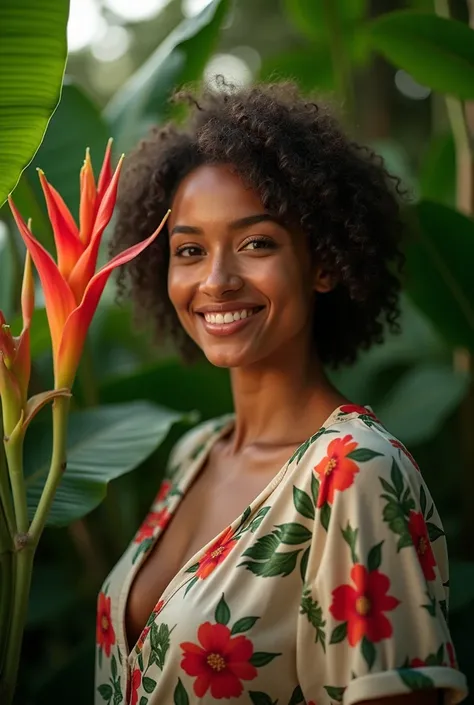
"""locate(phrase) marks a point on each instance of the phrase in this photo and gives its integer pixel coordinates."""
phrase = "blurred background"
(125, 58)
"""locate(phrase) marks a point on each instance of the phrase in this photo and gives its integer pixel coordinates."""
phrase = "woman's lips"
(220, 327)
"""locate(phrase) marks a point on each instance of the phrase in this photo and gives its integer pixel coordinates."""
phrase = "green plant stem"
(23, 569)
(56, 470)
(5, 494)
(14, 455)
(340, 60)
(6, 586)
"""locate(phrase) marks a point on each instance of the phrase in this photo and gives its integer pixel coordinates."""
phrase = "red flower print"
(136, 682)
(163, 491)
(152, 520)
(105, 634)
(417, 663)
(362, 607)
(451, 655)
(216, 553)
(422, 544)
(336, 471)
(220, 662)
(357, 409)
(400, 446)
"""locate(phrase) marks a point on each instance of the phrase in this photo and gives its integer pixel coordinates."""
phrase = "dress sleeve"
(372, 620)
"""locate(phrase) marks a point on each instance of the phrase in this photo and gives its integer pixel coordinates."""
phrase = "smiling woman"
(293, 553)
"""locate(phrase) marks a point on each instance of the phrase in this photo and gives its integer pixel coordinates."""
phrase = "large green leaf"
(200, 386)
(179, 59)
(437, 52)
(438, 171)
(422, 400)
(32, 58)
(103, 444)
(309, 17)
(6, 272)
(311, 68)
(439, 277)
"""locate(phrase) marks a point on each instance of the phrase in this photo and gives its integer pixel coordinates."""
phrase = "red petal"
(77, 324)
(58, 296)
(85, 266)
(343, 602)
(105, 175)
(214, 637)
(65, 212)
(68, 247)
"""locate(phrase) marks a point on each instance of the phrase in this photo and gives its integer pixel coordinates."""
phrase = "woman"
(287, 556)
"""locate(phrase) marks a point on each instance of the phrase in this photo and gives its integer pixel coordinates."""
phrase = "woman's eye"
(188, 251)
(259, 243)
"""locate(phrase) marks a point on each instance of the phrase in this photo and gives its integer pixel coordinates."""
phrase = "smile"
(229, 316)
(225, 323)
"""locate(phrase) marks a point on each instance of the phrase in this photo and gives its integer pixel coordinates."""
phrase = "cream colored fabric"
(327, 589)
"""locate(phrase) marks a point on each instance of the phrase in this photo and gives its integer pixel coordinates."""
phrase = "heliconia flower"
(71, 287)
(15, 364)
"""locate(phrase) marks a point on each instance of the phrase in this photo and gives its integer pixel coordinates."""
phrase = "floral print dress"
(331, 587)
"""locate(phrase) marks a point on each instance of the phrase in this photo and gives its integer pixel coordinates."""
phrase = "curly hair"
(293, 152)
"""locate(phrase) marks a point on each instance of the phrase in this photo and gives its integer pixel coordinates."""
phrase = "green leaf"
(32, 60)
(258, 698)
(350, 537)
(180, 696)
(310, 19)
(279, 564)
(310, 67)
(190, 585)
(263, 548)
(434, 532)
(422, 500)
(103, 444)
(415, 680)
(314, 488)
(259, 517)
(222, 615)
(396, 477)
(304, 563)
(303, 503)
(293, 533)
(437, 279)
(297, 696)
(339, 633)
(7, 271)
(114, 667)
(388, 487)
(325, 515)
(362, 455)
(368, 652)
(404, 541)
(335, 692)
(438, 171)
(180, 59)
(143, 700)
(149, 684)
(437, 52)
(106, 691)
(375, 557)
(262, 658)
(140, 662)
(243, 625)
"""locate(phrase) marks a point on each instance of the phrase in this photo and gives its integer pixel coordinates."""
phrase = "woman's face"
(241, 283)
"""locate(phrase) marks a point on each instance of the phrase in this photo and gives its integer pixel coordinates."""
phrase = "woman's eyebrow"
(239, 224)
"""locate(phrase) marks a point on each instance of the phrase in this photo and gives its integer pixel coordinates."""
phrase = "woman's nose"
(221, 277)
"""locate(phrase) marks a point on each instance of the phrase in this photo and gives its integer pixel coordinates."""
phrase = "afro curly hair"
(293, 152)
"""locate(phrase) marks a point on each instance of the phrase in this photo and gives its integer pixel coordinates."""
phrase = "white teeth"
(229, 317)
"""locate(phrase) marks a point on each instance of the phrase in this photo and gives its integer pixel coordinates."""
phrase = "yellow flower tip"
(40, 171)
(110, 142)
(28, 225)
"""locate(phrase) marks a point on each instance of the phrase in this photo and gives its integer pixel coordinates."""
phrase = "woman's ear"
(323, 281)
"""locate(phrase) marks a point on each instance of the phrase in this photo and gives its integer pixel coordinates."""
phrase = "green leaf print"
(99, 656)
(262, 658)
(106, 691)
(430, 513)
(259, 517)
(339, 633)
(374, 558)
(444, 609)
(368, 652)
(293, 533)
(350, 537)
(193, 568)
(397, 478)
(362, 455)
(113, 665)
(279, 564)
(263, 548)
(314, 488)
(142, 548)
(404, 541)
(431, 606)
(335, 693)
(325, 515)
(222, 614)
(159, 643)
(143, 700)
(140, 662)
(388, 487)
(243, 625)
(422, 500)
(260, 698)
(314, 613)
(414, 680)
(180, 696)
(297, 696)
(304, 564)
(434, 532)
(190, 584)
(303, 503)
(244, 518)
(149, 684)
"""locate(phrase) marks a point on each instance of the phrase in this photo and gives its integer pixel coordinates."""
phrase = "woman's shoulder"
(193, 442)
(354, 440)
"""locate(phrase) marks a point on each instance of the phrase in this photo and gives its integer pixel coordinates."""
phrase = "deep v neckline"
(182, 577)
